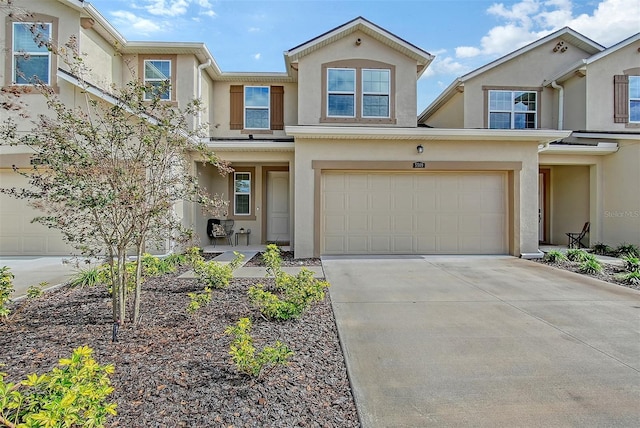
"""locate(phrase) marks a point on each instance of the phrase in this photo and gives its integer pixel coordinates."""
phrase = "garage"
(367, 212)
(18, 236)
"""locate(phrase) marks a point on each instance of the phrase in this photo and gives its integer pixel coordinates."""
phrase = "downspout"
(199, 89)
(560, 89)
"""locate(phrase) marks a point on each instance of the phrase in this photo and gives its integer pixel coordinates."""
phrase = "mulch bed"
(609, 272)
(174, 370)
(287, 260)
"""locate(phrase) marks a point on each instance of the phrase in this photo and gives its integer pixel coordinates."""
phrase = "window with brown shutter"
(277, 107)
(236, 108)
(621, 98)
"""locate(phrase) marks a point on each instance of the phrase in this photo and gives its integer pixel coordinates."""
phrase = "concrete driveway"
(448, 341)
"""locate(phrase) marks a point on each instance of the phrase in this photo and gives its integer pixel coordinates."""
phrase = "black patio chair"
(217, 228)
(575, 238)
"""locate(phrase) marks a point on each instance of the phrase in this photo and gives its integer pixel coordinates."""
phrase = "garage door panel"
(447, 213)
(334, 201)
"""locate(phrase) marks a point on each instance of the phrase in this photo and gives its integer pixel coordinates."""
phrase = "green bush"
(554, 256)
(625, 249)
(198, 300)
(577, 255)
(591, 266)
(72, 395)
(631, 263)
(6, 288)
(193, 256)
(243, 353)
(155, 266)
(176, 260)
(215, 274)
(272, 260)
(631, 278)
(602, 249)
(36, 291)
(90, 277)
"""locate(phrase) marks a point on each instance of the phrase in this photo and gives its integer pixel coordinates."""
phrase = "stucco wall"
(307, 150)
(310, 77)
(570, 199)
(450, 115)
(575, 102)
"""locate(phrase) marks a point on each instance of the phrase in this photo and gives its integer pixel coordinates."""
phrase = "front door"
(278, 206)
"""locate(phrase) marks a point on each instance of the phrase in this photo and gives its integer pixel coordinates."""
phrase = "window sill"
(256, 131)
(632, 125)
(359, 120)
(237, 217)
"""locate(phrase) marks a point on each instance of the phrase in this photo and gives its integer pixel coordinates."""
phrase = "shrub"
(215, 274)
(6, 288)
(601, 249)
(176, 260)
(272, 260)
(554, 256)
(625, 249)
(243, 353)
(72, 395)
(198, 300)
(155, 266)
(193, 256)
(631, 263)
(577, 255)
(90, 277)
(36, 291)
(631, 278)
(591, 266)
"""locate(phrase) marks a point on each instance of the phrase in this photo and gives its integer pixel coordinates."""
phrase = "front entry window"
(242, 193)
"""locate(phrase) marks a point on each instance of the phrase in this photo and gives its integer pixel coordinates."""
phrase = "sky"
(245, 35)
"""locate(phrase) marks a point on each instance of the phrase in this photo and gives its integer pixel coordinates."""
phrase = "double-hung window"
(157, 79)
(341, 92)
(375, 93)
(256, 107)
(242, 193)
(512, 109)
(634, 99)
(31, 55)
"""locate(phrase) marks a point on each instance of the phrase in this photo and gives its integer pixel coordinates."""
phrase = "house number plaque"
(418, 165)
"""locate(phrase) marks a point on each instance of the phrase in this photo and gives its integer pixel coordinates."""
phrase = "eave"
(250, 146)
(603, 148)
(541, 136)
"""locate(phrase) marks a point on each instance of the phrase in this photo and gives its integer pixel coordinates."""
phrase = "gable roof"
(567, 34)
(560, 77)
(422, 57)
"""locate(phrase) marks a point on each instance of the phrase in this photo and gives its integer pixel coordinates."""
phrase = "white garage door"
(409, 213)
(18, 236)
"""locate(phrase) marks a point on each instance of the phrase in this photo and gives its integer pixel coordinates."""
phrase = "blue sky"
(246, 35)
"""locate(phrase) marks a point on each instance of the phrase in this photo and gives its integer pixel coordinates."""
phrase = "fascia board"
(564, 149)
(541, 136)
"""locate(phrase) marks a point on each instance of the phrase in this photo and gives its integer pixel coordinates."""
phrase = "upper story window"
(157, 74)
(358, 91)
(512, 109)
(256, 107)
(31, 57)
(341, 92)
(634, 99)
(375, 93)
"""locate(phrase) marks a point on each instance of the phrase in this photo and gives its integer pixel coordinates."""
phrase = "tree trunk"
(136, 301)
(122, 279)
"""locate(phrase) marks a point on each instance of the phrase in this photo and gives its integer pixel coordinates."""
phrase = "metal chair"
(217, 228)
(575, 239)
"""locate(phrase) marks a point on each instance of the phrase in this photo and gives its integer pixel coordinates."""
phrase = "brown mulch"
(174, 370)
(287, 260)
(609, 272)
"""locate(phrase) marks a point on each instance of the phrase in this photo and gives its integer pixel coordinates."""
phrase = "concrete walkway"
(485, 342)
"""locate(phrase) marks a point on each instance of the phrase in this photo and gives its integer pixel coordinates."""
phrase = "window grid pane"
(375, 93)
(242, 193)
(634, 98)
(375, 106)
(341, 85)
(31, 57)
(341, 105)
(256, 103)
(157, 74)
(512, 110)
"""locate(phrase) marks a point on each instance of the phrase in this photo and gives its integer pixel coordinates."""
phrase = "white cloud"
(257, 56)
(210, 13)
(140, 26)
(526, 21)
(445, 66)
(167, 8)
(254, 29)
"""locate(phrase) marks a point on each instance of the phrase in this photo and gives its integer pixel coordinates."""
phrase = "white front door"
(278, 206)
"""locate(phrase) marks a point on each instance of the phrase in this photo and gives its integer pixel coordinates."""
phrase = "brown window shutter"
(277, 107)
(236, 108)
(621, 98)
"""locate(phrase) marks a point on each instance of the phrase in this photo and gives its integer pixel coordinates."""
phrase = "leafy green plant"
(554, 256)
(243, 353)
(631, 278)
(625, 249)
(215, 274)
(272, 260)
(90, 277)
(601, 249)
(577, 255)
(6, 288)
(36, 291)
(175, 260)
(193, 256)
(591, 266)
(198, 300)
(71, 395)
(631, 263)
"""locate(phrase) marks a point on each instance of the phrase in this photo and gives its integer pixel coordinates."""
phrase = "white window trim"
(153, 80)
(235, 202)
(355, 89)
(267, 108)
(376, 93)
(513, 112)
(21, 53)
(632, 99)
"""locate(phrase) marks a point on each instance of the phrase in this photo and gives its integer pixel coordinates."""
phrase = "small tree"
(108, 173)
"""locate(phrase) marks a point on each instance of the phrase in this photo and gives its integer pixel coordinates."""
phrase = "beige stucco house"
(331, 156)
